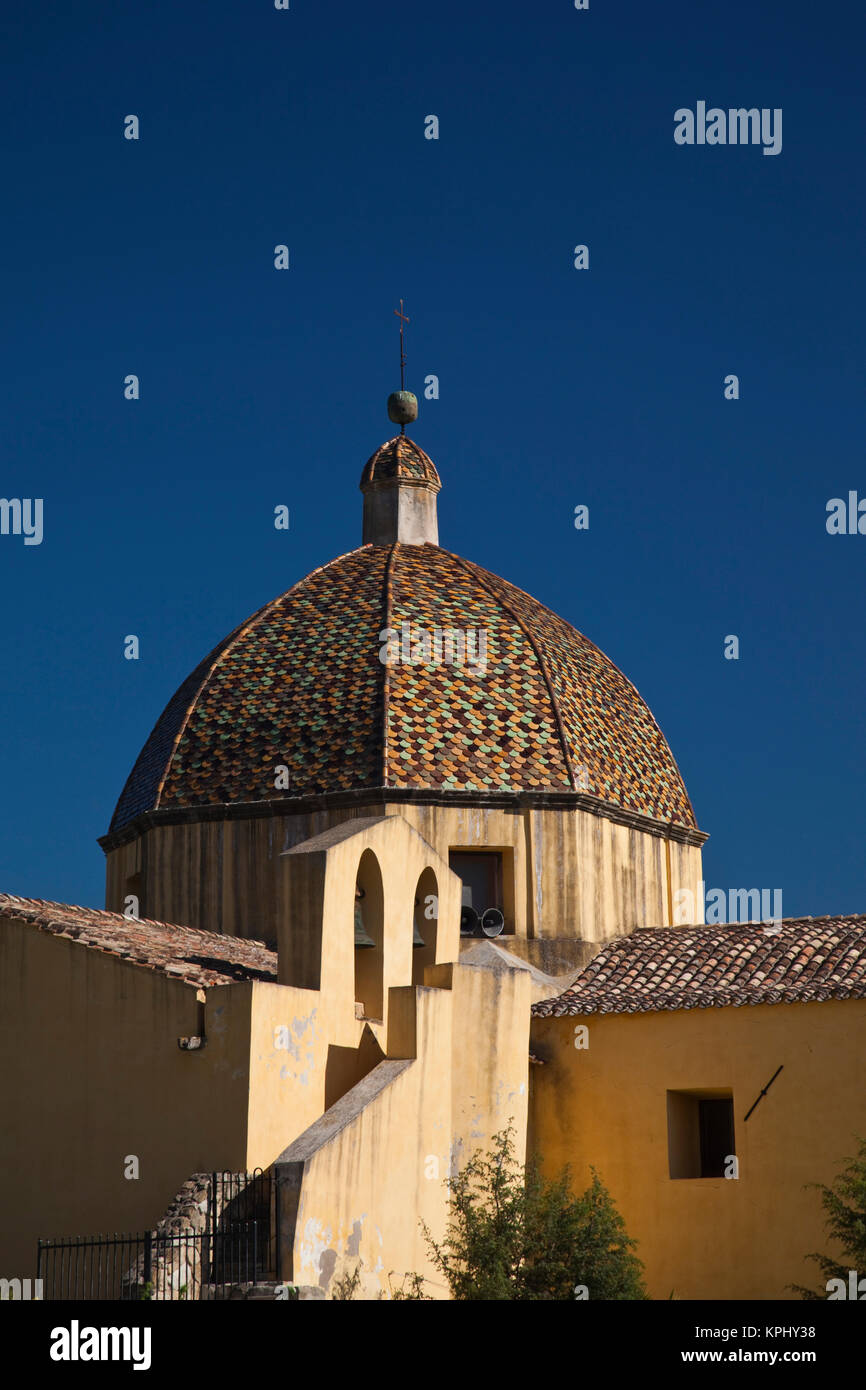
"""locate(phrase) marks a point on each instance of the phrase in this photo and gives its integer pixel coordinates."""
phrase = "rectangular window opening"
(487, 877)
(701, 1140)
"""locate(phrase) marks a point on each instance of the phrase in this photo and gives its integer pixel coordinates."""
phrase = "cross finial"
(403, 319)
(402, 405)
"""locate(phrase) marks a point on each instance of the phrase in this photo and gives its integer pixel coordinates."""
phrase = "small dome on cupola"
(400, 484)
(400, 458)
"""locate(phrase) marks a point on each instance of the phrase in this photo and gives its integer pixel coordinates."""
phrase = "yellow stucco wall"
(369, 1172)
(705, 1238)
(93, 1074)
(489, 1055)
(575, 874)
(290, 1031)
(369, 1180)
(306, 1050)
(443, 1070)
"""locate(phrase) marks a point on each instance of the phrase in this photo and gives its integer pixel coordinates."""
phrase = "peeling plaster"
(472, 827)
(295, 1031)
(499, 1103)
(315, 1247)
(319, 1249)
(300, 1025)
(455, 1156)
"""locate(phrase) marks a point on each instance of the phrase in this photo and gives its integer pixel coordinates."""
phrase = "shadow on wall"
(346, 1066)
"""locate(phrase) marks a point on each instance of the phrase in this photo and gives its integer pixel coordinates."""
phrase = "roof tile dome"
(400, 458)
(301, 684)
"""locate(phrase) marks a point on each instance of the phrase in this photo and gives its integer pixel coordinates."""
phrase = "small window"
(700, 1134)
(482, 878)
(481, 873)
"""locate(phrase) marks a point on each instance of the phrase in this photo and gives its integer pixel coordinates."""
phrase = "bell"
(417, 938)
(362, 939)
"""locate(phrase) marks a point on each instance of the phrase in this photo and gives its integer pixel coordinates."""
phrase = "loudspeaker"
(492, 922)
(470, 922)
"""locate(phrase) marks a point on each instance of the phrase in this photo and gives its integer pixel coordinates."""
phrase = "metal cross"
(403, 319)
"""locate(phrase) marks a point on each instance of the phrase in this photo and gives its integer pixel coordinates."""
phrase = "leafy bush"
(844, 1203)
(514, 1235)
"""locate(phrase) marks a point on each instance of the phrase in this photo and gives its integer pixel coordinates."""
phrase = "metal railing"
(234, 1248)
(149, 1265)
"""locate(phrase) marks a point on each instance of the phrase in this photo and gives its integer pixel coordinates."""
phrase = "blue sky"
(557, 386)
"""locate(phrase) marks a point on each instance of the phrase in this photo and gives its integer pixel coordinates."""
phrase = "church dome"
(322, 683)
(400, 457)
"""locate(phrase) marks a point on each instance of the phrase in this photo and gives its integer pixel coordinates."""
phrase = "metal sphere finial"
(402, 407)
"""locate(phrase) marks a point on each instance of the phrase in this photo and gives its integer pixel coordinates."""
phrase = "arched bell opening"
(425, 925)
(369, 935)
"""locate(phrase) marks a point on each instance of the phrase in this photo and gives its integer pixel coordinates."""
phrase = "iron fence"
(149, 1265)
(242, 1199)
(235, 1247)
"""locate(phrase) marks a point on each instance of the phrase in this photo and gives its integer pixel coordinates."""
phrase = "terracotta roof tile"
(198, 958)
(809, 958)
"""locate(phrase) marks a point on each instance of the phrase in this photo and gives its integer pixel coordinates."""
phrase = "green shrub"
(514, 1235)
